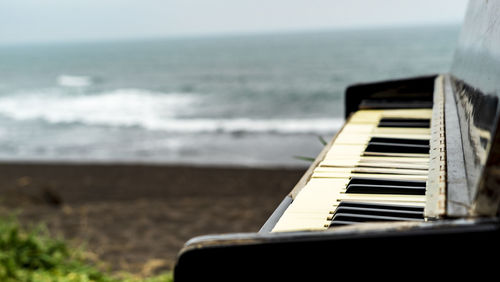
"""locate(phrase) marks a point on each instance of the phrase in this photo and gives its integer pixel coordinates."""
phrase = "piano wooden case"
(413, 177)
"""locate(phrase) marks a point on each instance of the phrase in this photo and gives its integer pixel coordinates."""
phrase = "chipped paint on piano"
(464, 223)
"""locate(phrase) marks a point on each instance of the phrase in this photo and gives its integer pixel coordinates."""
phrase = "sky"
(24, 21)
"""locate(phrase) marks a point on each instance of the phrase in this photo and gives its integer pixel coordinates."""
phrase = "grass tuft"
(32, 255)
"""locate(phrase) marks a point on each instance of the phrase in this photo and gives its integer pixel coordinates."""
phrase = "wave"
(146, 109)
(74, 81)
(118, 107)
(246, 125)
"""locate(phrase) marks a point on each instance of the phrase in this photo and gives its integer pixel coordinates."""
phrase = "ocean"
(250, 100)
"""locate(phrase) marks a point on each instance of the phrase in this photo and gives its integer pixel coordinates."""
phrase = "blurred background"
(132, 126)
(219, 82)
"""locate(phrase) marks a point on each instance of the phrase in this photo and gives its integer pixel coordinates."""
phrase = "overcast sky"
(70, 20)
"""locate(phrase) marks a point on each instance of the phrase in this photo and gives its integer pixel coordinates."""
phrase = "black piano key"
(380, 212)
(396, 119)
(348, 213)
(384, 186)
(342, 223)
(409, 141)
(381, 147)
(405, 122)
(358, 218)
(384, 189)
(380, 206)
(379, 181)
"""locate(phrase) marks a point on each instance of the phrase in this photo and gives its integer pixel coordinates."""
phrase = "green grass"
(310, 159)
(32, 255)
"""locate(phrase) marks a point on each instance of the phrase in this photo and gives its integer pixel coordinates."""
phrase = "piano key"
(406, 113)
(382, 198)
(401, 131)
(370, 170)
(341, 223)
(407, 160)
(412, 120)
(424, 136)
(378, 148)
(337, 175)
(380, 212)
(372, 129)
(364, 216)
(410, 155)
(412, 205)
(400, 140)
(357, 139)
(370, 218)
(388, 181)
(351, 163)
(381, 206)
(381, 147)
(375, 159)
(318, 195)
(385, 186)
(394, 165)
(404, 122)
(371, 116)
(358, 150)
(385, 189)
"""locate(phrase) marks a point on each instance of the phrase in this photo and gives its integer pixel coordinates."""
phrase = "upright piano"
(410, 183)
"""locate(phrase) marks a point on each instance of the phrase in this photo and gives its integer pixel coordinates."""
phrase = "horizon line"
(227, 34)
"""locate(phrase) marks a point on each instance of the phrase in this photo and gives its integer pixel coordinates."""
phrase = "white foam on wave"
(74, 81)
(147, 109)
(246, 125)
(118, 107)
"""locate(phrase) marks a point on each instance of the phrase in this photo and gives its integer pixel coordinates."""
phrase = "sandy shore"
(137, 217)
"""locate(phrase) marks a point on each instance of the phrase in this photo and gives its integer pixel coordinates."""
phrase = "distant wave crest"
(74, 81)
(147, 109)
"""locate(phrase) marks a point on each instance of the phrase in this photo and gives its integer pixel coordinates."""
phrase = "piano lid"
(475, 83)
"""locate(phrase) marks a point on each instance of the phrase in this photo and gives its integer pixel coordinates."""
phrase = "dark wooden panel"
(324, 256)
(475, 72)
(415, 92)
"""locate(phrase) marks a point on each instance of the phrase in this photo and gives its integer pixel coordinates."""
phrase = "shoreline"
(131, 215)
(136, 163)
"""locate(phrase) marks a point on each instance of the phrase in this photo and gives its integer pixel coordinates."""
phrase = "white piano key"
(366, 175)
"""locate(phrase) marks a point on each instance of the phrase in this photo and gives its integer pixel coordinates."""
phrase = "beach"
(137, 217)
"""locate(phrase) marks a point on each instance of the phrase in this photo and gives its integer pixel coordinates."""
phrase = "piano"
(411, 182)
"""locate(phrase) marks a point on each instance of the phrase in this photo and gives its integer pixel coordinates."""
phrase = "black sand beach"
(137, 217)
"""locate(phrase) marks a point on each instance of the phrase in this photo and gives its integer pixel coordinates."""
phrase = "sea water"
(250, 100)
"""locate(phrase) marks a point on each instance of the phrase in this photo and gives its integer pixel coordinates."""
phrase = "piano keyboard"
(375, 170)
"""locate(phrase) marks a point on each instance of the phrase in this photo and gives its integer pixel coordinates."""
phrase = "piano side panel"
(474, 78)
(487, 200)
